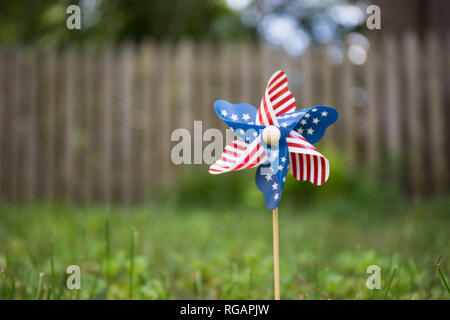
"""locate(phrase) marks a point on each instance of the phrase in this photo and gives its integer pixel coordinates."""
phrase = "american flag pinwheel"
(296, 132)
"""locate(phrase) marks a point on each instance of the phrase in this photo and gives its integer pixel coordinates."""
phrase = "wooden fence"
(94, 124)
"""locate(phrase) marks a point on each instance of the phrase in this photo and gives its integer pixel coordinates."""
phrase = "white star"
(275, 196)
(303, 122)
(315, 121)
(284, 124)
(255, 134)
(283, 159)
(241, 131)
(275, 186)
(247, 138)
(324, 114)
(224, 113)
(300, 130)
(280, 167)
(268, 177)
(314, 110)
(245, 116)
(234, 117)
(310, 131)
(307, 115)
(284, 179)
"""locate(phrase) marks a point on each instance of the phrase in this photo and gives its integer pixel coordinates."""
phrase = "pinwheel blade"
(306, 163)
(239, 155)
(277, 100)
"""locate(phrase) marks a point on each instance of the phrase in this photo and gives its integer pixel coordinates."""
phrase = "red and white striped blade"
(277, 100)
(239, 155)
(306, 163)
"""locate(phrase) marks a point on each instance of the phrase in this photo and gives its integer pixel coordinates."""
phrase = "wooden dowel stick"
(276, 265)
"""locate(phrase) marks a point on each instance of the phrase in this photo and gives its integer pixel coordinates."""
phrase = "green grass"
(187, 252)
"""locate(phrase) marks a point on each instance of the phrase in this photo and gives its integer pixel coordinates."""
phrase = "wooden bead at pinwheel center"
(271, 135)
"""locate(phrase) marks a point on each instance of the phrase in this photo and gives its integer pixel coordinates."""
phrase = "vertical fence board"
(107, 116)
(31, 139)
(205, 81)
(326, 72)
(245, 76)
(2, 119)
(165, 107)
(147, 61)
(125, 110)
(414, 103)
(16, 120)
(392, 96)
(49, 103)
(70, 75)
(437, 134)
(372, 111)
(306, 89)
(348, 114)
(88, 84)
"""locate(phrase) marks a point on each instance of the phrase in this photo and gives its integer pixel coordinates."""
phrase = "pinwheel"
(275, 138)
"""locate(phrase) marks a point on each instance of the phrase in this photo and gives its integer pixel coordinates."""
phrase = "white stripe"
(278, 80)
(284, 85)
(319, 171)
(270, 108)
(285, 105)
(284, 95)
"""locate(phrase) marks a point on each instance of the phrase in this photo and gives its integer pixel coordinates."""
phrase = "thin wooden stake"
(276, 262)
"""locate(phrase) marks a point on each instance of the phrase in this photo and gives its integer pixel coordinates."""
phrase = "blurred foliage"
(44, 21)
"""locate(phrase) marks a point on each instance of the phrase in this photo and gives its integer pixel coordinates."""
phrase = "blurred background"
(86, 118)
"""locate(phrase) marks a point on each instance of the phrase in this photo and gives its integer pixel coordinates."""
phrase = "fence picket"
(372, 110)
(31, 140)
(348, 111)
(414, 103)
(436, 119)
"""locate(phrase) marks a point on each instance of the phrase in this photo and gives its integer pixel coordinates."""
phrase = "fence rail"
(90, 124)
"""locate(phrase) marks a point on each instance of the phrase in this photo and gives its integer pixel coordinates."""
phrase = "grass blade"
(444, 280)
(107, 256)
(432, 278)
(52, 269)
(38, 293)
(390, 281)
(130, 274)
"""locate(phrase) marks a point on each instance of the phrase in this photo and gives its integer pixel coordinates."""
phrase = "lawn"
(176, 251)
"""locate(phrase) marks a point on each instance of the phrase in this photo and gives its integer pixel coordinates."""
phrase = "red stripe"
(238, 146)
(260, 116)
(308, 168)
(266, 107)
(278, 94)
(302, 146)
(276, 78)
(324, 171)
(279, 84)
(301, 167)
(248, 157)
(281, 111)
(294, 165)
(316, 171)
(280, 103)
